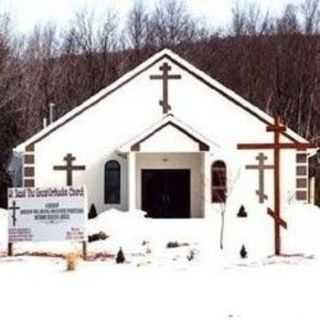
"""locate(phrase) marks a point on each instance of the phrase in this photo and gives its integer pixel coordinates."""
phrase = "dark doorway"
(166, 193)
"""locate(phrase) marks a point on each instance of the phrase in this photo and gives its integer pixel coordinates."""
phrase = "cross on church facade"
(14, 209)
(277, 128)
(261, 167)
(69, 168)
(165, 77)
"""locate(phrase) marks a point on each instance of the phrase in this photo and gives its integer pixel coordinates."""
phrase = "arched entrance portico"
(168, 171)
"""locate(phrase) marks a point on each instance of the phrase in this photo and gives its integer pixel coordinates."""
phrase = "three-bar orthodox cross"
(14, 209)
(277, 128)
(261, 167)
(69, 168)
(165, 77)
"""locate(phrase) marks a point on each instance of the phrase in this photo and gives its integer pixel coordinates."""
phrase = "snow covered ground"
(160, 282)
(39, 288)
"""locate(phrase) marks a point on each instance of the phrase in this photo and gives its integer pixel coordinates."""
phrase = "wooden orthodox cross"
(14, 209)
(69, 168)
(165, 77)
(276, 146)
(261, 167)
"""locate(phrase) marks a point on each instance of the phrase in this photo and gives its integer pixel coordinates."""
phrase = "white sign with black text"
(47, 214)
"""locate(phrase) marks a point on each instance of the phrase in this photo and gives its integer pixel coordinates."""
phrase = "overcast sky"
(27, 13)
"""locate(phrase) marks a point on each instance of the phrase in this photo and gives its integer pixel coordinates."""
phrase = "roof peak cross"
(165, 77)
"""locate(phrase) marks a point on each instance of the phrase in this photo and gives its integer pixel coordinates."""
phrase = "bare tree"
(9, 91)
(238, 20)
(221, 185)
(137, 26)
(249, 20)
(172, 24)
(288, 23)
(311, 16)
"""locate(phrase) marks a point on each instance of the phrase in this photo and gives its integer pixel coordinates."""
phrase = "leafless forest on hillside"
(274, 62)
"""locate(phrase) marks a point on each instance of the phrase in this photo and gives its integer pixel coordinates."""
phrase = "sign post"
(84, 250)
(13, 216)
(10, 249)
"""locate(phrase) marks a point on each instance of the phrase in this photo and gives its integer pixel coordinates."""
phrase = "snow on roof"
(165, 53)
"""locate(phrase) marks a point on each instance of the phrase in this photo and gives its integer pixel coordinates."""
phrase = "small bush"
(176, 244)
(72, 261)
(103, 236)
(191, 255)
(243, 252)
(98, 236)
(92, 212)
(120, 258)
(173, 244)
(242, 213)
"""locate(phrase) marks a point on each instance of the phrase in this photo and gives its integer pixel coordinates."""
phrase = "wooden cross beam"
(261, 167)
(165, 77)
(69, 168)
(14, 209)
(277, 220)
(277, 129)
(272, 146)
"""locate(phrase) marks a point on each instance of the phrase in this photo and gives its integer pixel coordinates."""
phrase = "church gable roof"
(169, 120)
(181, 63)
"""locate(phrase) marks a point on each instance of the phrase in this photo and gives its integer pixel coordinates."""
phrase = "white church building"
(164, 138)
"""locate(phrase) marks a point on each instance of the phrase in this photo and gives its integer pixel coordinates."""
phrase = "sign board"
(47, 214)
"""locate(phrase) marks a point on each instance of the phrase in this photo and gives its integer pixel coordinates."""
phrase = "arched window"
(218, 182)
(112, 182)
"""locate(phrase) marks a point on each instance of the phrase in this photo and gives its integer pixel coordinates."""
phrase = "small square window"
(301, 171)
(301, 158)
(29, 183)
(302, 183)
(301, 195)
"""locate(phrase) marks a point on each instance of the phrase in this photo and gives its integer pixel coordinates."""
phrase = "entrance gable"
(168, 135)
(170, 138)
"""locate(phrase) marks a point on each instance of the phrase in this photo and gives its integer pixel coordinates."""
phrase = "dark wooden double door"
(166, 193)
